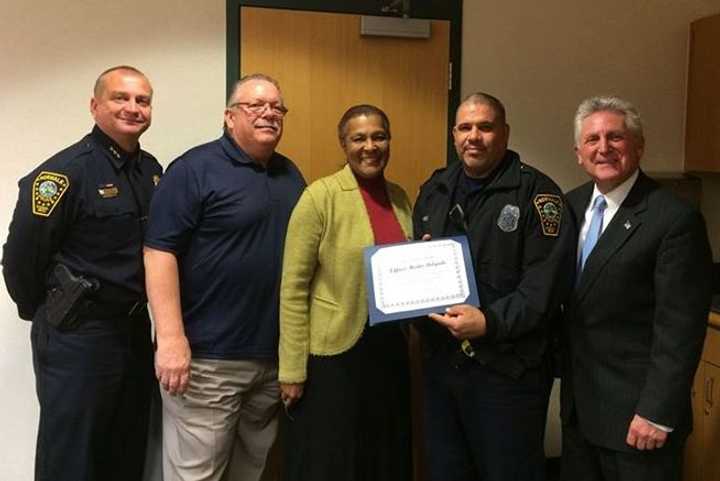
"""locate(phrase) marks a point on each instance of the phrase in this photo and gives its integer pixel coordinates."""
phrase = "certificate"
(416, 278)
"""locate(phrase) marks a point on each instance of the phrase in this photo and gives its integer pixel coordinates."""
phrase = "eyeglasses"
(258, 108)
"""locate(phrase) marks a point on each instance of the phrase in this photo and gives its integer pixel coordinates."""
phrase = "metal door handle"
(709, 382)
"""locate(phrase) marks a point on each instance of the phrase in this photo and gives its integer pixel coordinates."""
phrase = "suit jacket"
(323, 305)
(635, 324)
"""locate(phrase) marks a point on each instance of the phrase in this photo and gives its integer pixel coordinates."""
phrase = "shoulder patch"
(47, 190)
(550, 208)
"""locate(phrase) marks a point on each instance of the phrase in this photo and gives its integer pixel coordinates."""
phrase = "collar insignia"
(114, 151)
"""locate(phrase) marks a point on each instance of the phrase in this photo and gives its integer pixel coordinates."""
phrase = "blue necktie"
(595, 229)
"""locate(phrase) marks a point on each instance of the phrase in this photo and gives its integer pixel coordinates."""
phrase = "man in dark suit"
(635, 323)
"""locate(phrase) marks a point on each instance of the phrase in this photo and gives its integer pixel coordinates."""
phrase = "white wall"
(50, 54)
(540, 58)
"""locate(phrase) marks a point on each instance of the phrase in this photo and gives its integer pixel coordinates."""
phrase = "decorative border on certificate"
(416, 278)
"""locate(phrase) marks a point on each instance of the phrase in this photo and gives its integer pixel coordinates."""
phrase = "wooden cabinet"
(711, 422)
(693, 462)
(702, 132)
(702, 461)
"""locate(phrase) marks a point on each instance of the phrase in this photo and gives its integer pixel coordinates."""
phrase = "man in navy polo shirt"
(213, 262)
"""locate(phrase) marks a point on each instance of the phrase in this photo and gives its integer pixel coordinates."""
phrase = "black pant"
(583, 461)
(353, 421)
(94, 387)
(483, 425)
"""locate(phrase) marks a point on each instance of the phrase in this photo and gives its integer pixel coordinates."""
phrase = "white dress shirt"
(614, 200)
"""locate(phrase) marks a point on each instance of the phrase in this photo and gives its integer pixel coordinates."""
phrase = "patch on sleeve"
(48, 189)
(549, 207)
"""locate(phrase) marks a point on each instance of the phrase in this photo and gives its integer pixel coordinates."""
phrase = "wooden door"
(324, 66)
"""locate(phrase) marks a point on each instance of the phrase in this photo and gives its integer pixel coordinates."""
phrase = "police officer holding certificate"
(487, 374)
(73, 265)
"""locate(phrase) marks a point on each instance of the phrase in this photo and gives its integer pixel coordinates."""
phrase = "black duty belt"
(103, 310)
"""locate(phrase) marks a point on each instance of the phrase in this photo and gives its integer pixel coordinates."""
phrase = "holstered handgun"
(64, 302)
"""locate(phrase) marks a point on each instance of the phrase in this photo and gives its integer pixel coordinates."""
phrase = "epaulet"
(527, 168)
(148, 155)
(69, 156)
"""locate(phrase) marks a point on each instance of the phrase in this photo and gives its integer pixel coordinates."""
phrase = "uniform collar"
(506, 174)
(118, 157)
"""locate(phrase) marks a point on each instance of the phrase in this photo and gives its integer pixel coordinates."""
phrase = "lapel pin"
(627, 225)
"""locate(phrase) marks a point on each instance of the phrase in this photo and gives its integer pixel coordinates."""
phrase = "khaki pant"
(223, 426)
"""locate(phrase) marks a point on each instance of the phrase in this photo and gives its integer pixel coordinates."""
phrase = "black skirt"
(353, 421)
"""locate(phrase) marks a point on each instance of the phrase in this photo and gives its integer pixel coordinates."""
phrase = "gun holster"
(64, 302)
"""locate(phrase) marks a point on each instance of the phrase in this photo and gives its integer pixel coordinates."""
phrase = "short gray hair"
(483, 98)
(593, 105)
(247, 78)
(99, 86)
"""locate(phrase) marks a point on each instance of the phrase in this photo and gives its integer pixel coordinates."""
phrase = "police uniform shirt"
(224, 217)
(85, 208)
(521, 245)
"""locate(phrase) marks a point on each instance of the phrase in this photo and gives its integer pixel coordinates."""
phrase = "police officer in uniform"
(73, 265)
(487, 374)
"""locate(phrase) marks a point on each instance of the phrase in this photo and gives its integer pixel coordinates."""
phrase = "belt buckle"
(467, 348)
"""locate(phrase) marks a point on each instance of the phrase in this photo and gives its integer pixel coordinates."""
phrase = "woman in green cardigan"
(345, 384)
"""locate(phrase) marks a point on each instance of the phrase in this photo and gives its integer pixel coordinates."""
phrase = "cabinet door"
(702, 132)
(693, 462)
(711, 422)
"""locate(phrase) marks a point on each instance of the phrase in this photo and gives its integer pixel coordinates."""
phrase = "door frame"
(450, 10)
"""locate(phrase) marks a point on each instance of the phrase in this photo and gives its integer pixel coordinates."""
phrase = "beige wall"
(540, 59)
(50, 52)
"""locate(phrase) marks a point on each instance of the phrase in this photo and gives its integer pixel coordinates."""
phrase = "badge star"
(627, 225)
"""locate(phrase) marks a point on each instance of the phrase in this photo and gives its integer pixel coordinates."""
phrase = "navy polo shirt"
(224, 217)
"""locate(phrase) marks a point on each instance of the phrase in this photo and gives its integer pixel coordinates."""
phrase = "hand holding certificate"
(417, 278)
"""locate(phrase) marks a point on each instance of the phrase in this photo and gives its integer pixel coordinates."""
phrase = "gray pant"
(223, 426)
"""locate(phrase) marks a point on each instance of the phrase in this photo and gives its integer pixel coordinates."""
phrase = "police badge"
(508, 218)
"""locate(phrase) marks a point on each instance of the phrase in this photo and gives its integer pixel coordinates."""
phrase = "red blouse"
(385, 225)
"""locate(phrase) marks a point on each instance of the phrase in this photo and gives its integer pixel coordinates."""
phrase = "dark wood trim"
(429, 9)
